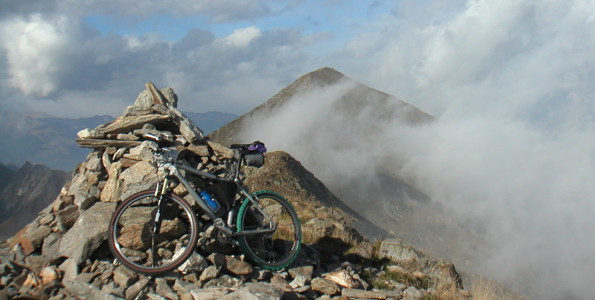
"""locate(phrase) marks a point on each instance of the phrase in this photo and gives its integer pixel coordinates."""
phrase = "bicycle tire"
(130, 235)
(272, 251)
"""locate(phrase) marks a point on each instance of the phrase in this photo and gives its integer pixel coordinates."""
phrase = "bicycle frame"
(174, 171)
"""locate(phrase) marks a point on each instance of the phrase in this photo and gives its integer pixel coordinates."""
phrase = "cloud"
(35, 49)
(513, 149)
(50, 53)
(524, 50)
(11, 8)
(214, 10)
(194, 39)
(49, 57)
(243, 36)
(74, 57)
(228, 10)
(528, 187)
(57, 57)
(237, 72)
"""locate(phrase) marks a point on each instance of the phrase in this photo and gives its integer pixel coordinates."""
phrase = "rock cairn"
(63, 253)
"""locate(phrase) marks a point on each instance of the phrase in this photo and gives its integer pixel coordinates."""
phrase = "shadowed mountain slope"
(25, 192)
(285, 174)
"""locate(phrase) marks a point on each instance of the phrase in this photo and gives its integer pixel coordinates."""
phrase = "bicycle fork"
(160, 192)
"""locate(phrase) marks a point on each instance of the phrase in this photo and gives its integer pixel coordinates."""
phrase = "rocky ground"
(63, 253)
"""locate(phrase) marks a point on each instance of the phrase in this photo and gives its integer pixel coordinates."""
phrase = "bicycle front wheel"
(150, 236)
(278, 248)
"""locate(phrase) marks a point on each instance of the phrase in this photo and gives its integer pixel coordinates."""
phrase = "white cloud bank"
(512, 85)
(36, 51)
(492, 56)
(59, 57)
(529, 188)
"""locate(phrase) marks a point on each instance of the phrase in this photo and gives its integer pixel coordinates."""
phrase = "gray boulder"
(399, 252)
(260, 291)
(89, 231)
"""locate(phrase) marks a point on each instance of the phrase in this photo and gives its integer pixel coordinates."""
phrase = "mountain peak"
(353, 99)
(326, 75)
(319, 78)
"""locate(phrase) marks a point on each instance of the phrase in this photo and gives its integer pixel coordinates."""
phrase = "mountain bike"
(155, 231)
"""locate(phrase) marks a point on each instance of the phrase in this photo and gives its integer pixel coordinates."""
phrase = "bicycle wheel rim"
(273, 251)
(134, 242)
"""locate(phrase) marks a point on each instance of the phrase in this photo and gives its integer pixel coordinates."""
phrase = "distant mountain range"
(24, 192)
(42, 138)
(49, 140)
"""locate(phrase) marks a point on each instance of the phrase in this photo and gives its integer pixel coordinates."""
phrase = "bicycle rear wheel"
(151, 244)
(273, 250)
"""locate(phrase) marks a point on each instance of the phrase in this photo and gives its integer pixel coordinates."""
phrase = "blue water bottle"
(211, 202)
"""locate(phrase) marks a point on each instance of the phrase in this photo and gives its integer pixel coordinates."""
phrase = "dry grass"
(480, 289)
(309, 237)
(446, 289)
(485, 289)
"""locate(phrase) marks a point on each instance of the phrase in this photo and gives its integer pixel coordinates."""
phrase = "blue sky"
(338, 23)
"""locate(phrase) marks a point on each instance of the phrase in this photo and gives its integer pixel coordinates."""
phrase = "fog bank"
(527, 181)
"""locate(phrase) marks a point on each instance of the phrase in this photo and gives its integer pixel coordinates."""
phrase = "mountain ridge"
(63, 253)
(320, 78)
(26, 192)
(41, 138)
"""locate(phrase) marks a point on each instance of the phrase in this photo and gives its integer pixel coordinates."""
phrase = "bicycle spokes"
(153, 236)
(270, 233)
